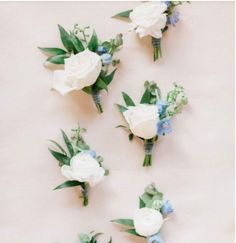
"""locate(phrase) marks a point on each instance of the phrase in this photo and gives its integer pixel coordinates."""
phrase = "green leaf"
(132, 232)
(62, 158)
(65, 38)
(53, 51)
(59, 59)
(141, 203)
(128, 100)
(68, 184)
(59, 146)
(124, 14)
(131, 136)
(93, 43)
(146, 97)
(87, 90)
(121, 108)
(77, 43)
(110, 241)
(127, 222)
(68, 143)
(122, 126)
(107, 79)
(101, 84)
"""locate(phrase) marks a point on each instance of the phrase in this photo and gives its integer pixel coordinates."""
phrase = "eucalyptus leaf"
(69, 184)
(124, 14)
(65, 38)
(62, 158)
(93, 43)
(59, 59)
(127, 222)
(52, 51)
(68, 143)
(127, 99)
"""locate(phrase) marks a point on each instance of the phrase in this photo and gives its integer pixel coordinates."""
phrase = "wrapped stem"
(148, 146)
(85, 191)
(97, 100)
(156, 43)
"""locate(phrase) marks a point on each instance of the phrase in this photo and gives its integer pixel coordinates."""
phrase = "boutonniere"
(151, 119)
(90, 238)
(87, 61)
(149, 218)
(79, 165)
(152, 19)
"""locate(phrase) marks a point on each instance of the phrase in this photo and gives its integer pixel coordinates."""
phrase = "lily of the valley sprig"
(87, 62)
(151, 118)
(152, 19)
(149, 218)
(80, 165)
(90, 238)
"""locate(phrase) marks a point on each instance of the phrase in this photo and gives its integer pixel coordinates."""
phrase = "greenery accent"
(126, 222)
(128, 100)
(68, 184)
(90, 238)
(124, 14)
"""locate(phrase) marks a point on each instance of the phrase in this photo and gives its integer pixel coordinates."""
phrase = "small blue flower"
(101, 50)
(173, 19)
(155, 239)
(164, 126)
(167, 3)
(106, 58)
(167, 208)
(90, 152)
(161, 106)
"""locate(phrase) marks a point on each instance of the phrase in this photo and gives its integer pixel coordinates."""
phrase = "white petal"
(60, 83)
(66, 171)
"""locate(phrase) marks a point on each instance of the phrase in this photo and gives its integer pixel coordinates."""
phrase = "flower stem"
(97, 101)
(148, 145)
(85, 191)
(156, 43)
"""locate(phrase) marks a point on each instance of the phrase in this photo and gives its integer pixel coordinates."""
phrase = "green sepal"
(121, 108)
(126, 222)
(65, 39)
(93, 43)
(128, 101)
(124, 14)
(62, 158)
(68, 184)
(52, 51)
(59, 59)
(68, 143)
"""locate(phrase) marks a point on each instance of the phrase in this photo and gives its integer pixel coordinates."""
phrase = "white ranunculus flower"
(84, 168)
(149, 19)
(142, 120)
(147, 221)
(81, 70)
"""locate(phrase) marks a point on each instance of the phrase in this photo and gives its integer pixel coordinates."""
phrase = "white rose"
(147, 221)
(149, 19)
(81, 70)
(84, 168)
(142, 120)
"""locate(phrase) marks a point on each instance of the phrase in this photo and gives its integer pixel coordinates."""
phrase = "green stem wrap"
(156, 43)
(97, 100)
(148, 146)
(85, 191)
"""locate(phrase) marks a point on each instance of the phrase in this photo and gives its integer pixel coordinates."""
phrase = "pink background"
(194, 166)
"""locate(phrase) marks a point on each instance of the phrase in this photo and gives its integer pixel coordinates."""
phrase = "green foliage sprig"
(90, 238)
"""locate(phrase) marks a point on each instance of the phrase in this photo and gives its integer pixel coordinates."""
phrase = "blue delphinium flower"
(155, 239)
(161, 106)
(173, 19)
(90, 152)
(164, 126)
(101, 50)
(167, 3)
(167, 208)
(106, 58)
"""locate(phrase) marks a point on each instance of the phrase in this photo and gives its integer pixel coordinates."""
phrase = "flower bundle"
(86, 61)
(152, 117)
(80, 165)
(152, 19)
(90, 238)
(149, 218)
